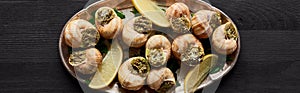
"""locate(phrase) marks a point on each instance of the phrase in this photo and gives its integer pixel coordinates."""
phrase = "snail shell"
(224, 39)
(179, 16)
(177, 10)
(137, 31)
(158, 50)
(188, 49)
(204, 22)
(132, 73)
(107, 22)
(81, 34)
(161, 79)
(86, 61)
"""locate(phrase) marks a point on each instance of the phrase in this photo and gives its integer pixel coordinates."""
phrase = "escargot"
(86, 61)
(179, 16)
(158, 50)
(133, 72)
(137, 31)
(161, 80)
(188, 49)
(81, 34)
(224, 39)
(204, 22)
(107, 22)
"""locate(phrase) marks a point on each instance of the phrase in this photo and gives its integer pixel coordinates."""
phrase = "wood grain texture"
(262, 14)
(268, 62)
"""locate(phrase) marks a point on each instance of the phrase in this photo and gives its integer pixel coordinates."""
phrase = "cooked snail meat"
(161, 80)
(105, 16)
(180, 25)
(81, 34)
(132, 73)
(156, 57)
(137, 31)
(107, 22)
(224, 39)
(158, 50)
(88, 36)
(140, 65)
(77, 57)
(191, 53)
(204, 22)
(230, 33)
(188, 49)
(142, 25)
(86, 61)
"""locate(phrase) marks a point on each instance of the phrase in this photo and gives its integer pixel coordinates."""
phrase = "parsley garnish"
(135, 12)
(120, 14)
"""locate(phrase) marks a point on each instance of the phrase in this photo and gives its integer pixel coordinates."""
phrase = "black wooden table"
(269, 60)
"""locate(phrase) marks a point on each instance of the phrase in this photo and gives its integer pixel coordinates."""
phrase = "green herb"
(192, 14)
(215, 70)
(228, 58)
(207, 50)
(92, 20)
(87, 81)
(120, 14)
(172, 65)
(218, 65)
(70, 49)
(135, 12)
(164, 10)
(177, 83)
(104, 50)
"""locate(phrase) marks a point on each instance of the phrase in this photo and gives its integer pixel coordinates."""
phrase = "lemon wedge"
(153, 12)
(108, 69)
(198, 74)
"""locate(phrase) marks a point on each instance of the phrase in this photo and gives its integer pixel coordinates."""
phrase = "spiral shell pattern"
(81, 34)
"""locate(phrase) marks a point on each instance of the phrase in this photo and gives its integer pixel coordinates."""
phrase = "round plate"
(194, 6)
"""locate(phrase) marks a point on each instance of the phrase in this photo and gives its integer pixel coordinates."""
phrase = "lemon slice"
(108, 69)
(153, 12)
(197, 75)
